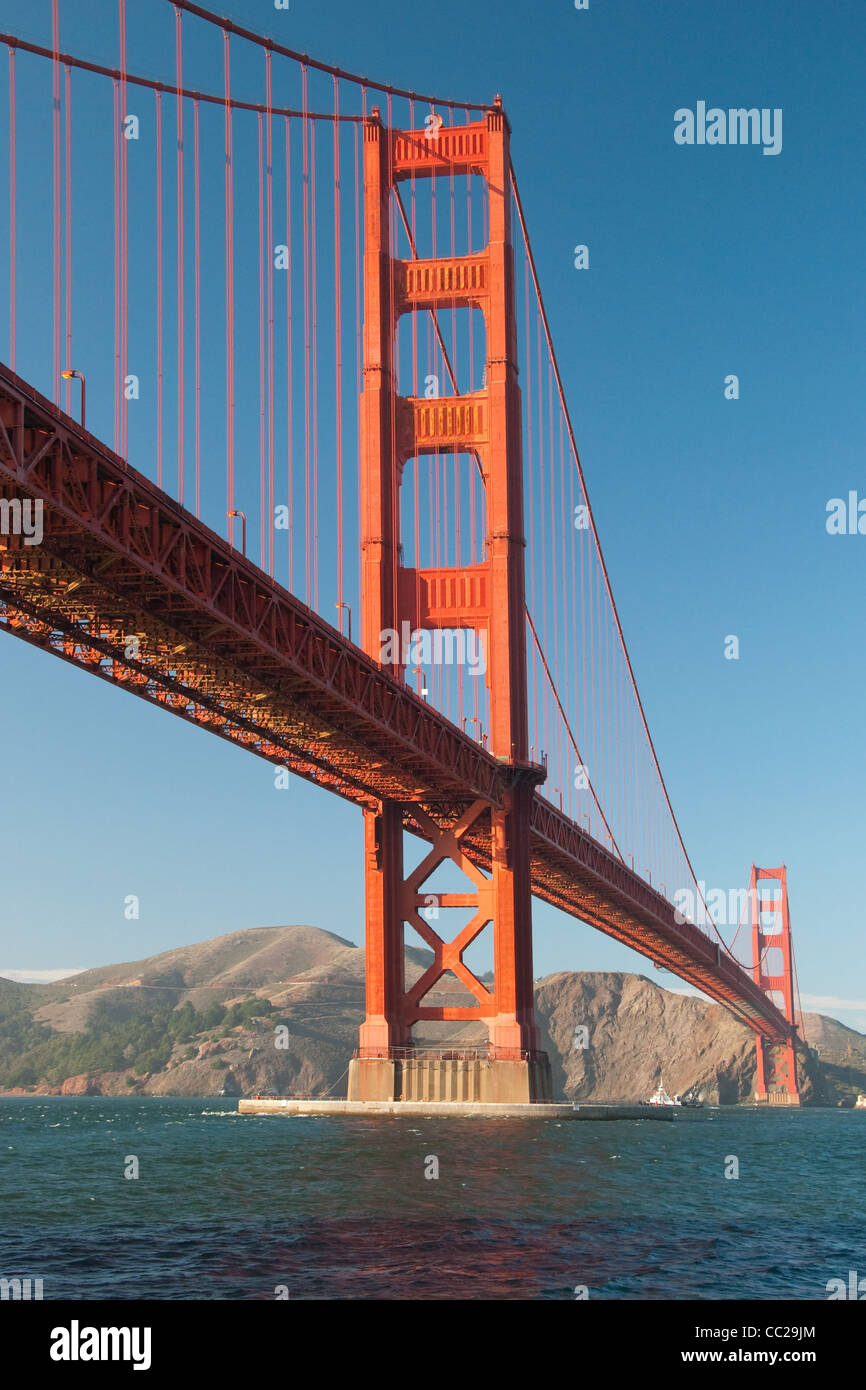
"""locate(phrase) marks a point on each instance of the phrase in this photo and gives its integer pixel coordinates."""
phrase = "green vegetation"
(32, 1054)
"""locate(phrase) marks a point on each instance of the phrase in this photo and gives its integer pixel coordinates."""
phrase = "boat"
(661, 1097)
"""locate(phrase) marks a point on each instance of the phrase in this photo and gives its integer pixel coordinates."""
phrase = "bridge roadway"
(222, 645)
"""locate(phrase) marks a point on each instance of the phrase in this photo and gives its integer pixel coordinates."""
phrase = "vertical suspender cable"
(57, 262)
(269, 264)
(593, 693)
(261, 244)
(359, 335)
(230, 292)
(314, 301)
(440, 484)
(553, 568)
(180, 255)
(338, 345)
(118, 385)
(473, 473)
(159, 345)
(289, 419)
(458, 556)
(357, 259)
(391, 365)
(617, 739)
(541, 505)
(413, 225)
(124, 239)
(473, 478)
(567, 558)
(197, 276)
(573, 693)
(13, 215)
(67, 88)
(583, 662)
(305, 154)
(530, 491)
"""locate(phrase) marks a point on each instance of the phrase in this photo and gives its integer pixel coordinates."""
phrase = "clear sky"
(704, 261)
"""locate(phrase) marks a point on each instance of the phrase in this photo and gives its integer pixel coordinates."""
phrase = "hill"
(278, 1008)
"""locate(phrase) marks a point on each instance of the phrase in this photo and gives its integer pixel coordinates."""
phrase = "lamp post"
(349, 611)
(68, 375)
(243, 518)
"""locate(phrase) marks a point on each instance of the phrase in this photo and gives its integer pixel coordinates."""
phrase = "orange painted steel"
(777, 1061)
(488, 596)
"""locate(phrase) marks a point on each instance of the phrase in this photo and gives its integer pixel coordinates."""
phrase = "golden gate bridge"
(304, 305)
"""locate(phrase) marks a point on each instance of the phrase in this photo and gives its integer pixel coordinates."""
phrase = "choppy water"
(231, 1207)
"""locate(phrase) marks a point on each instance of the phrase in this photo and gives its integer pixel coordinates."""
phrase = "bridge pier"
(776, 1078)
(471, 1080)
(511, 1068)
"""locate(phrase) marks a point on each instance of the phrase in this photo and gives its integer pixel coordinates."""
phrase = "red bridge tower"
(487, 597)
(776, 1079)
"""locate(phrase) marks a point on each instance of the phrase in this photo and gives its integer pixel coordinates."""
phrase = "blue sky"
(704, 261)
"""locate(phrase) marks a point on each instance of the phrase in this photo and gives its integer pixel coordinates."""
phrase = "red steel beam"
(126, 538)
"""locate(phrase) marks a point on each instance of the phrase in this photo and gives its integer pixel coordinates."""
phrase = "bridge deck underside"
(128, 585)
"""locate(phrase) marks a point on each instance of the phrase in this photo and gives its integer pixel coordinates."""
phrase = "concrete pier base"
(411, 1109)
(467, 1080)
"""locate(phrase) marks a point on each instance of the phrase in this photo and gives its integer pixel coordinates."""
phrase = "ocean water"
(238, 1207)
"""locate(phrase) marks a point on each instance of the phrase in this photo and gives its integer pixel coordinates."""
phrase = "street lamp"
(349, 611)
(67, 375)
(243, 518)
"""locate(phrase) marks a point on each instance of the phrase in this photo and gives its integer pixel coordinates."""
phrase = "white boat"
(661, 1097)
